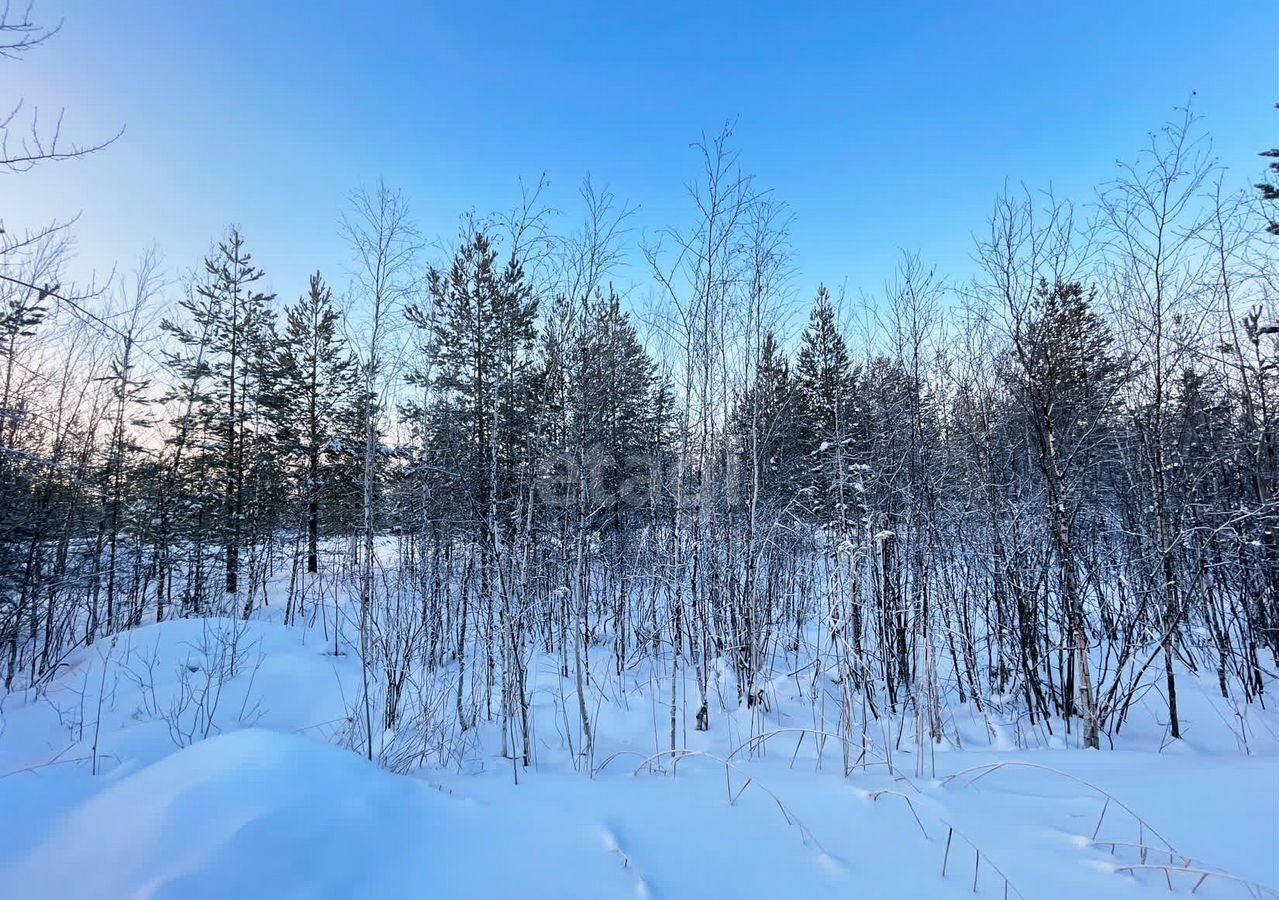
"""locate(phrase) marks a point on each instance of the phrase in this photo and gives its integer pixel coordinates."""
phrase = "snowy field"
(139, 772)
(869, 524)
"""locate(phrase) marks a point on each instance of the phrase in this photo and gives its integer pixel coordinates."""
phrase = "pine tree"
(127, 395)
(320, 380)
(236, 367)
(21, 313)
(484, 376)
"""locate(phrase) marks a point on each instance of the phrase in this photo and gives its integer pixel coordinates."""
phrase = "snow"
(264, 802)
(259, 813)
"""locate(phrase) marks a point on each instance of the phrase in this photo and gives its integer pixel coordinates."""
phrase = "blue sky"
(883, 125)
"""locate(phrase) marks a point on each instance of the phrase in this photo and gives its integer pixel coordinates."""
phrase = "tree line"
(1046, 492)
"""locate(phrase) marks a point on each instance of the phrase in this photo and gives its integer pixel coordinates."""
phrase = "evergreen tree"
(21, 313)
(235, 366)
(484, 378)
(1270, 190)
(616, 377)
(825, 382)
(661, 439)
(597, 410)
(1073, 369)
(1069, 374)
(127, 395)
(767, 436)
(323, 427)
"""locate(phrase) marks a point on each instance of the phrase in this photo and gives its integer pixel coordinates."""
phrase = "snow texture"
(267, 805)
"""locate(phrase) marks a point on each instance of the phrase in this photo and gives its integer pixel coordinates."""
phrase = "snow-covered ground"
(139, 772)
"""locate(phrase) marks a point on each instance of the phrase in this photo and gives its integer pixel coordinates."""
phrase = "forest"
(561, 495)
(1045, 492)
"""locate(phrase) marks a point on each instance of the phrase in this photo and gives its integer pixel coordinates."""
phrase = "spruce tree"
(767, 436)
(1069, 376)
(617, 377)
(1073, 368)
(825, 382)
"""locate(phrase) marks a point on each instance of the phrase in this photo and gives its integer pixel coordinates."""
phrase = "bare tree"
(385, 244)
(1153, 227)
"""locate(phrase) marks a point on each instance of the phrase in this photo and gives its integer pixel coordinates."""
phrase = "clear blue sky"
(883, 125)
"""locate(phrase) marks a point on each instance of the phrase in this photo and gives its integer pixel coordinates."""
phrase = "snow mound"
(239, 813)
(261, 814)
